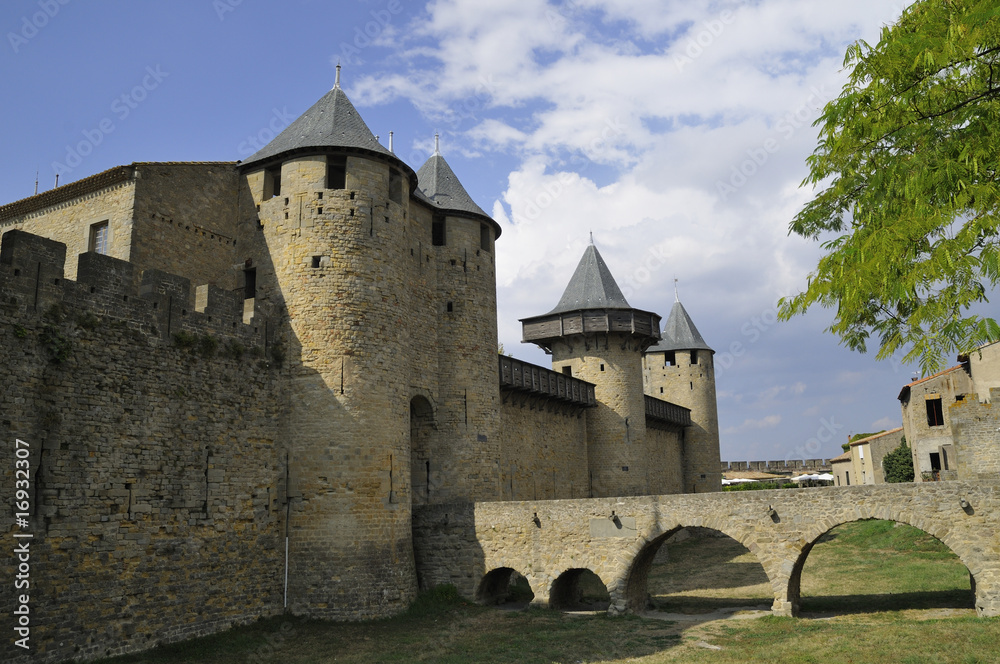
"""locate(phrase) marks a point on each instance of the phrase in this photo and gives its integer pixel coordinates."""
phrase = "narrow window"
(395, 186)
(319, 195)
(602, 367)
(319, 210)
(661, 390)
(694, 357)
(451, 307)
(567, 370)
(437, 231)
(935, 416)
(249, 283)
(272, 181)
(847, 476)
(669, 360)
(99, 238)
(315, 261)
(484, 237)
(935, 461)
(336, 173)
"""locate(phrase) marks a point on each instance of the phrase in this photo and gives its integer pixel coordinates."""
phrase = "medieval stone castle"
(237, 394)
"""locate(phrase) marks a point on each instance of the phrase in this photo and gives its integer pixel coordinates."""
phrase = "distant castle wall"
(157, 486)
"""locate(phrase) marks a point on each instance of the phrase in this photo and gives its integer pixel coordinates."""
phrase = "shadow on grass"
(849, 604)
(723, 575)
(694, 605)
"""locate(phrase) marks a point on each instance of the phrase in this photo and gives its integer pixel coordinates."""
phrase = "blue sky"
(676, 131)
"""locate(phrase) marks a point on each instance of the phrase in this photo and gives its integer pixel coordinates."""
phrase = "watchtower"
(595, 335)
(680, 369)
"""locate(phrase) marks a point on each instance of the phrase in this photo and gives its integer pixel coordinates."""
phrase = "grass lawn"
(899, 596)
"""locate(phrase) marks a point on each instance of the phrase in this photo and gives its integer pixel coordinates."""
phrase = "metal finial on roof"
(677, 298)
(36, 183)
(591, 238)
(336, 83)
(437, 144)
(390, 141)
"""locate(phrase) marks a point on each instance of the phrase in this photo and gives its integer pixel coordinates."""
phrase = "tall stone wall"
(666, 460)
(185, 220)
(156, 471)
(543, 449)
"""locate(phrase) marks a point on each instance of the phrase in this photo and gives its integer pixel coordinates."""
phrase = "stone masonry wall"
(617, 451)
(185, 220)
(975, 428)
(156, 473)
(617, 538)
(690, 382)
(543, 449)
(70, 222)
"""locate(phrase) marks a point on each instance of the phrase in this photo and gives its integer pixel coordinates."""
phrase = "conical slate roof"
(441, 188)
(679, 333)
(592, 286)
(332, 122)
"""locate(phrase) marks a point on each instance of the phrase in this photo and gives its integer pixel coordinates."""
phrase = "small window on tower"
(249, 283)
(99, 238)
(567, 370)
(395, 186)
(438, 231)
(272, 182)
(694, 357)
(669, 360)
(336, 173)
(484, 237)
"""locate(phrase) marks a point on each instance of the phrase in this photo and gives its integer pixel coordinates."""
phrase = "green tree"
(897, 465)
(909, 209)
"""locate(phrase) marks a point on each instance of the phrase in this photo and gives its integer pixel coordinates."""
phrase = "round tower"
(680, 369)
(459, 457)
(333, 251)
(595, 335)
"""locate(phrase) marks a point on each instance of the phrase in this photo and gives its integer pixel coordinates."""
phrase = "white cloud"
(676, 133)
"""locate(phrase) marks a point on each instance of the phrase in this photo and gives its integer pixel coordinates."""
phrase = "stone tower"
(680, 369)
(384, 283)
(462, 455)
(595, 335)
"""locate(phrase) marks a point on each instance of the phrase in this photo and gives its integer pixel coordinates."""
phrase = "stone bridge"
(617, 538)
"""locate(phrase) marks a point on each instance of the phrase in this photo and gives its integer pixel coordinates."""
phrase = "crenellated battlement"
(160, 304)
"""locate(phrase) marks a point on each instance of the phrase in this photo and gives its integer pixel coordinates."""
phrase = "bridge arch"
(504, 585)
(643, 553)
(793, 591)
(579, 588)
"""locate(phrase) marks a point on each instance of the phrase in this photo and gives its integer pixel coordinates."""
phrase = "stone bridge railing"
(617, 538)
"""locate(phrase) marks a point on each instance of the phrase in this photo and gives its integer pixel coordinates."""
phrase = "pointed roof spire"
(592, 286)
(592, 303)
(332, 122)
(680, 333)
(440, 186)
